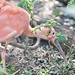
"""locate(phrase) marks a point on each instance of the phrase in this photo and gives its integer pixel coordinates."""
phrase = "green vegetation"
(61, 37)
(2, 72)
(71, 2)
(43, 72)
(28, 5)
(25, 72)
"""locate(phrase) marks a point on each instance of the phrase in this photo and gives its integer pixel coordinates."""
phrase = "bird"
(15, 21)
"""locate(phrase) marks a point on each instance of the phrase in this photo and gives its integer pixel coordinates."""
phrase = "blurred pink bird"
(15, 21)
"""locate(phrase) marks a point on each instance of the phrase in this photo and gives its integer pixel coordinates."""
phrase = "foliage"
(27, 5)
(68, 69)
(2, 72)
(50, 23)
(43, 72)
(25, 72)
(71, 2)
(61, 37)
(10, 68)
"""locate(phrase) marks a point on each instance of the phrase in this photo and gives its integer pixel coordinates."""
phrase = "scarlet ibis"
(15, 21)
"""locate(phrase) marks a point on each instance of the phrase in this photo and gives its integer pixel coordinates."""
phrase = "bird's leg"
(3, 56)
(3, 60)
(15, 72)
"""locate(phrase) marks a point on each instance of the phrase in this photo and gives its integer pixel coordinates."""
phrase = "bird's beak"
(56, 43)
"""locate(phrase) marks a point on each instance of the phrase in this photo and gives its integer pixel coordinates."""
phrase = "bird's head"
(51, 34)
(47, 33)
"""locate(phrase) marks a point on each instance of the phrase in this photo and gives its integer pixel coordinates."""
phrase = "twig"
(15, 72)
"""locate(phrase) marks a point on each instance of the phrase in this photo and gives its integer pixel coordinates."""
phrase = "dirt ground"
(33, 59)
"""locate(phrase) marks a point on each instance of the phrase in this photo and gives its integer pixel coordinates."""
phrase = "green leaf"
(10, 68)
(61, 37)
(51, 23)
(43, 72)
(2, 72)
(26, 72)
(28, 6)
(71, 2)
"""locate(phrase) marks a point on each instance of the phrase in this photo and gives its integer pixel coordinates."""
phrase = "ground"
(38, 58)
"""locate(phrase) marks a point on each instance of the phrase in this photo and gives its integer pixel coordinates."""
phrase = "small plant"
(71, 2)
(25, 72)
(10, 68)
(68, 69)
(43, 72)
(61, 37)
(2, 72)
(50, 23)
(28, 5)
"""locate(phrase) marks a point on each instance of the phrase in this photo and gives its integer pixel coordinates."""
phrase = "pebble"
(71, 28)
